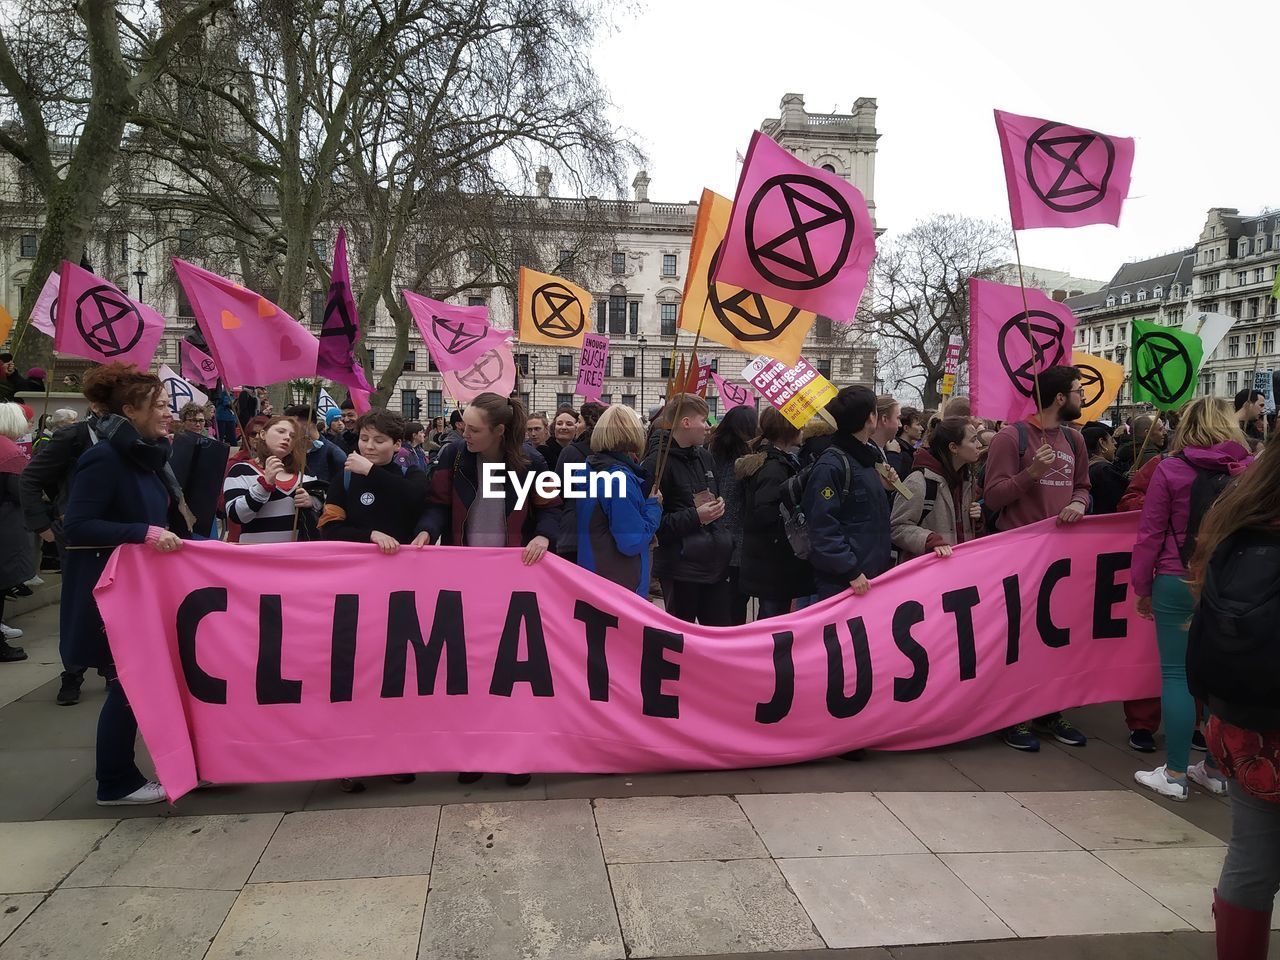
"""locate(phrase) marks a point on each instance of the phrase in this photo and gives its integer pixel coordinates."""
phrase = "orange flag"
(6, 324)
(1100, 383)
(680, 380)
(729, 315)
(552, 311)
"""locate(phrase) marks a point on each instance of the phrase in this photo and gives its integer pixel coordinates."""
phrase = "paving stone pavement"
(963, 852)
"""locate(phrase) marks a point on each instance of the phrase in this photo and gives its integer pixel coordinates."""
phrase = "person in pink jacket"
(1207, 443)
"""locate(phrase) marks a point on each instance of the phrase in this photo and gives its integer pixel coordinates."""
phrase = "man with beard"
(1039, 468)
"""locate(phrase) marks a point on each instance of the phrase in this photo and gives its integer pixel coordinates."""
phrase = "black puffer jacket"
(687, 549)
(768, 569)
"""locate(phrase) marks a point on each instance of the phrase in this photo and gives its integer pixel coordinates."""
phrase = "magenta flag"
(797, 234)
(340, 329)
(46, 303)
(591, 364)
(98, 322)
(253, 341)
(342, 662)
(493, 372)
(197, 366)
(1009, 344)
(1062, 176)
(731, 394)
(456, 336)
(361, 400)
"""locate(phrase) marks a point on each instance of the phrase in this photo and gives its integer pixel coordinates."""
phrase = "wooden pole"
(664, 451)
(315, 400)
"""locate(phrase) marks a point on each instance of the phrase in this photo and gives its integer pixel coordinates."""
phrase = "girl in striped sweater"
(263, 493)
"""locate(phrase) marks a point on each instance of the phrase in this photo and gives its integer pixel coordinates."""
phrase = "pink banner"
(312, 661)
(197, 366)
(493, 372)
(731, 394)
(98, 322)
(361, 400)
(595, 353)
(1062, 176)
(797, 234)
(340, 328)
(253, 341)
(1010, 343)
(456, 336)
(45, 305)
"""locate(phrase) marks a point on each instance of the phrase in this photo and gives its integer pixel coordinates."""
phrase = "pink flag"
(1009, 345)
(456, 336)
(360, 400)
(731, 394)
(98, 322)
(493, 372)
(197, 366)
(340, 329)
(253, 341)
(595, 353)
(797, 234)
(46, 303)
(1062, 176)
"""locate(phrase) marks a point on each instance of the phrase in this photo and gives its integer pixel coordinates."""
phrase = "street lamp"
(1121, 351)
(140, 274)
(642, 342)
(533, 370)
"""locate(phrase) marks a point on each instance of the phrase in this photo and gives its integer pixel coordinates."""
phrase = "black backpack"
(990, 517)
(1233, 644)
(1205, 489)
(794, 522)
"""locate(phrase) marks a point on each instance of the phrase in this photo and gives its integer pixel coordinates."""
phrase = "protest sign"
(595, 352)
(798, 391)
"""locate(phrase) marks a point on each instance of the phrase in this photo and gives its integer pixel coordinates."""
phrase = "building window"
(822, 327)
(668, 264)
(564, 400)
(606, 398)
(411, 361)
(633, 317)
(564, 364)
(668, 317)
(1242, 278)
(713, 406)
(123, 251)
(1233, 383)
(1269, 342)
(1158, 292)
(1259, 275)
(619, 262)
(602, 315)
(823, 366)
(566, 258)
(618, 313)
(715, 364)
(522, 364)
(1097, 336)
(435, 403)
(186, 242)
(370, 352)
(476, 261)
(1253, 308)
(1142, 294)
(1124, 297)
(524, 400)
(421, 257)
(664, 370)
(628, 366)
(629, 400)
(608, 366)
(1236, 308)
(1242, 248)
(1233, 346)
(319, 249)
(409, 404)
(475, 301)
(1250, 344)
(1111, 301)
(318, 300)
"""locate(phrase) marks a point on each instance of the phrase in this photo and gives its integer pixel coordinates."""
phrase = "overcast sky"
(1195, 85)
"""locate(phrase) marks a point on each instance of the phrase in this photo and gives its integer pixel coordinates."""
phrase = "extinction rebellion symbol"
(1041, 345)
(557, 313)
(735, 394)
(108, 321)
(1062, 183)
(179, 393)
(484, 373)
(814, 208)
(745, 315)
(1091, 384)
(1162, 366)
(457, 336)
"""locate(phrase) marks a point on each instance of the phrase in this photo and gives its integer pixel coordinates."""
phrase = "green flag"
(1275, 287)
(1164, 363)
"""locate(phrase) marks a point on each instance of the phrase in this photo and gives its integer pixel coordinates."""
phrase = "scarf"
(13, 459)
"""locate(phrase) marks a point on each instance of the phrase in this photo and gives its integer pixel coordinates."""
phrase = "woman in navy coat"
(119, 494)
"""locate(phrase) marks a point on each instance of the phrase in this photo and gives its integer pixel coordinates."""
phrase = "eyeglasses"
(200, 420)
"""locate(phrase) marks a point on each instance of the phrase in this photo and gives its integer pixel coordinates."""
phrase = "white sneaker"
(1158, 780)
(9, 633)
(34, 582)
(149, 792)
(1199, 773)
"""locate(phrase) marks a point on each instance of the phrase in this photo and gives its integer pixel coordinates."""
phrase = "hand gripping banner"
(320, 660)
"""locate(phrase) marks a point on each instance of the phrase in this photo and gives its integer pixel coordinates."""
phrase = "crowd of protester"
(750, 516)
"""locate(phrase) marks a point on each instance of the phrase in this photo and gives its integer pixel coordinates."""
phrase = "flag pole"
(664, 452)
(48, 385)
(1026, 319)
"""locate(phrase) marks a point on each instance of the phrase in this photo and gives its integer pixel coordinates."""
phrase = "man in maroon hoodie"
(1036, 469)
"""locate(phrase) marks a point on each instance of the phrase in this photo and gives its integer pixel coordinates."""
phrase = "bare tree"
(71, 80)
(921, 297)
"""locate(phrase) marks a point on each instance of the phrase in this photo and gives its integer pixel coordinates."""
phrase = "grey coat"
(907, 531)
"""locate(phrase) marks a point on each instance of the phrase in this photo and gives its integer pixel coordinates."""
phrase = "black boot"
(69, 692)
(10, 654)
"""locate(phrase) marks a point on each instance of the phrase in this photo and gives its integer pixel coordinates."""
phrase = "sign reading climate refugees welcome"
(322, 660)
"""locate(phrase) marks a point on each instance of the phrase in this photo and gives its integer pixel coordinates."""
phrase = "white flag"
(180, 391)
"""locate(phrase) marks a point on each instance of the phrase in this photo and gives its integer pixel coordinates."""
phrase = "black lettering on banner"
(342, 647)
(655, 668)
(1051, 635)
(839, 705)
(524, 617)
(598, 624)
(784, 689)
(1107, 593)
(960, 604)
(195, 606)
(1013, 617)
(272, 687)
(404, 630)
(906, 689)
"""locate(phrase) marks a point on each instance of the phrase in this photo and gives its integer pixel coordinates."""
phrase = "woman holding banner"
(943, 510)
(263, 494)
(118, 495)
(1208, 450)
(493, 432)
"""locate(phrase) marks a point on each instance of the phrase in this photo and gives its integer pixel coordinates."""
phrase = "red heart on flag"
(289, 350)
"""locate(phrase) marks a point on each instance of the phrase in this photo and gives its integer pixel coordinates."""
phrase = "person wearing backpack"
(844, 500)
(1036, 469)
(770, 570)
(942, 511)
(1233, 664)
(1208, 450)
